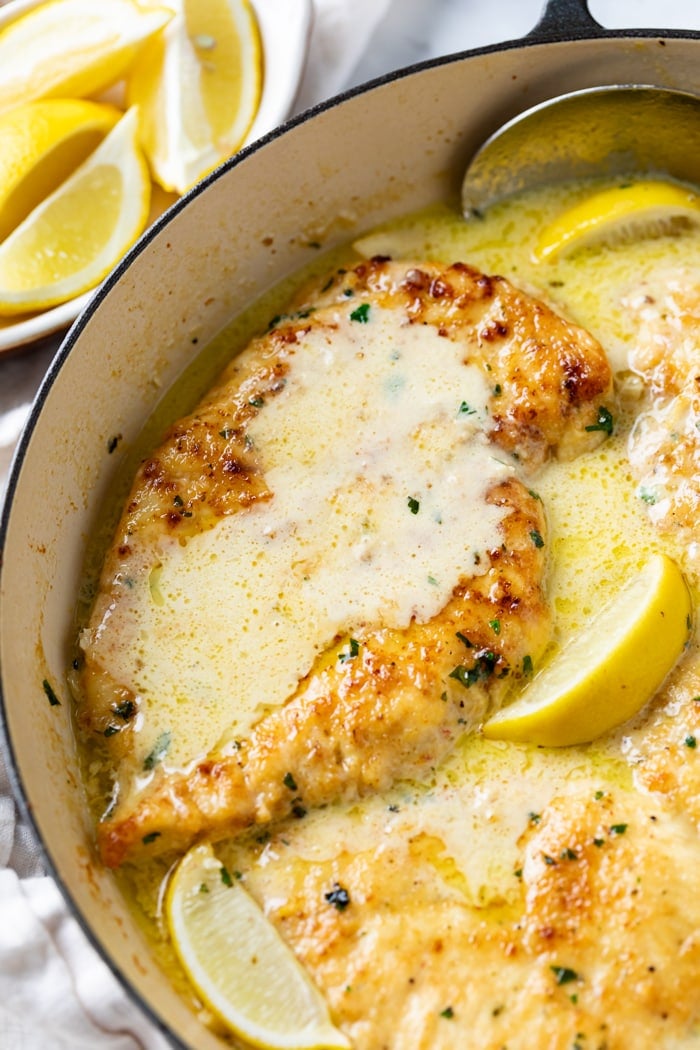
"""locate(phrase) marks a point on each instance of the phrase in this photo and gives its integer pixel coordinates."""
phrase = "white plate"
(284, 27)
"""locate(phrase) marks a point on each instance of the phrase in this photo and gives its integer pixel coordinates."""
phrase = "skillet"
(395, 145)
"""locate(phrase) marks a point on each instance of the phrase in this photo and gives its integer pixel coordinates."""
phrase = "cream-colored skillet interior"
(471, 891)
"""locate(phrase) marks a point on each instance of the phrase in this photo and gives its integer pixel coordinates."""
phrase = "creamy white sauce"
(379, 476)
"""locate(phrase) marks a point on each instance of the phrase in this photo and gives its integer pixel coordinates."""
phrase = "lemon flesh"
(198, 88)
(70, 241)
(620, 213)
(238, 963)
(72, 48)
(608, 671)
(42, 144)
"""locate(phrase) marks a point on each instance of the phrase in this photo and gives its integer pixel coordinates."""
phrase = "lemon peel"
(625, 212)
(42, 144)
(72, 48)
(238, 963)
(609, 670)
(70, 241)
(198, 88)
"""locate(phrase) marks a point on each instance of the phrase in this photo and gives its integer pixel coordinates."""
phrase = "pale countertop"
(413, 30)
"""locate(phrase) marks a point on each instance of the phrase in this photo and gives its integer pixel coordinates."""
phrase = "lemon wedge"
(608, 671)
(628, 211)
(198, 89)
(70, 241)
(238, 963)
(72, 48)
(42, 143)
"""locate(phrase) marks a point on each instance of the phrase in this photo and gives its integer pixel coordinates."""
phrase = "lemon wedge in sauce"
(609, 670)
(238, 963)
(625, 212)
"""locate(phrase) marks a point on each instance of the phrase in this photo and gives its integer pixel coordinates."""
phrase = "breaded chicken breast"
(335, 565)
(664, 449)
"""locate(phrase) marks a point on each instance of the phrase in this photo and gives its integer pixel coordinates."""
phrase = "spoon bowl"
(609, 130)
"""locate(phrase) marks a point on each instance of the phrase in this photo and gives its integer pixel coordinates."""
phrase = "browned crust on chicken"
(664, 449)
(356, 725)
(548, 377)
(578, 957)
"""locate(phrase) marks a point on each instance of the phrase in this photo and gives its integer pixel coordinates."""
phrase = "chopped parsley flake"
(603, 422)
(465, 409)
(338, 897)
(50, 694)
(536, 538)
(483, 666)
(647, 496)
(151, 837)
(352, 652)
(289, 782)
(361, 313)
(527, 665)
(448, 1013)
(563, 975)
(413, 505)
(158, 752)
(618, 829)
(690, 741)
(495, 626)
(125, 709)
(256, 402)
(226, 876)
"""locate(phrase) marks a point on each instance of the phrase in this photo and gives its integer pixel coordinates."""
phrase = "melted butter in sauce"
(469, 819)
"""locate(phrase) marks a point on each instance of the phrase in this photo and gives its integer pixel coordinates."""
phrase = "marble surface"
(413, 31)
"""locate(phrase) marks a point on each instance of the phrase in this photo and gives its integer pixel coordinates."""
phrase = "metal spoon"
(607, 130)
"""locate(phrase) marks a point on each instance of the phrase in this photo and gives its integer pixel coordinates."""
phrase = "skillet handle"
(565, 19)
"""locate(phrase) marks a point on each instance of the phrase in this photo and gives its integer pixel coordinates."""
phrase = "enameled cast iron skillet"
(395, 145)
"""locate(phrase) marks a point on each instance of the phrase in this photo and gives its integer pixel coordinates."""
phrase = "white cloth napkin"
(55, 992)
